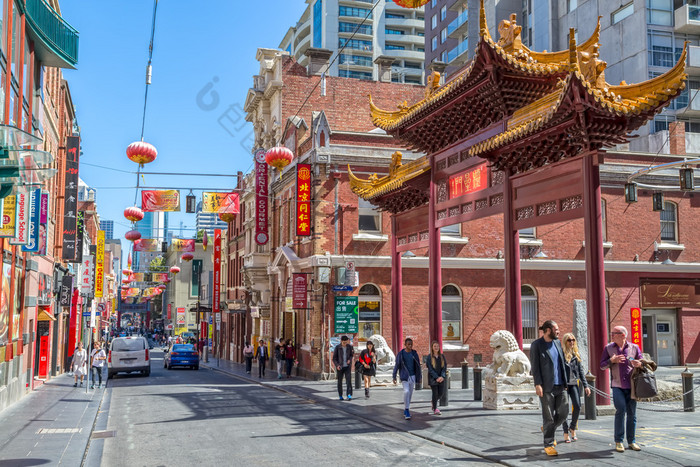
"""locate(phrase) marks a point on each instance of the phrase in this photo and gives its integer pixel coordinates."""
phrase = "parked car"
(181, 355)
(128, 355)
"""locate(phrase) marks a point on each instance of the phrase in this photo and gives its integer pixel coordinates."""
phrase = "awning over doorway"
(45, 315)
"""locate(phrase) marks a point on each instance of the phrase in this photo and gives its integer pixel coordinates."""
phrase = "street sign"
(349, 266)
(87, 313)
(101, 307)
(342, 288)
(346, 315)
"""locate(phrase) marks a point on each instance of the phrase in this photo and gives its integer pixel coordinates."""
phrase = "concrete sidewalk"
(668, 435)
(51, 425)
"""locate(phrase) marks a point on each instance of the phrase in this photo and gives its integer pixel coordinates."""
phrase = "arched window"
(370, 308)
(451, 313)
(528, 301)
(669, 223)
(322, 139)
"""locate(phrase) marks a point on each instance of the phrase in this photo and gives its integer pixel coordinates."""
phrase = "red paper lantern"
(127, 272)
(411, 3)
(141, 152)
(205, 240)
(133, 214)
(227, 217)
(187, 256)
(279, 157)
(132, 235)
(126, 281)
(174, 270)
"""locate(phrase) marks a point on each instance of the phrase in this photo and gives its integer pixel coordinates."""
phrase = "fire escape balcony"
(55, 41)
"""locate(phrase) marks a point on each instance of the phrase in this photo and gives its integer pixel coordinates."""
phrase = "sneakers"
(349, 397)
(92, 387)
(619, 447)
(550, 451)
(437, 412)
(279, 376)
(634, 446)
(75, 385)
(341, 398)
(406, 414)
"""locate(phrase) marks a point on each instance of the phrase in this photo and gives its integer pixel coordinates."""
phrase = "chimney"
(676, 137)
(318, 59)
(440, 67)
(384, 63)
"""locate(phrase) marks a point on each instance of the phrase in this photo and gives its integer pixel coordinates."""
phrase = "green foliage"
(158, 265)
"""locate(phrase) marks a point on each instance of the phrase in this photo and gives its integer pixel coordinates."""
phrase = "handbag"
(359, 366)
(645, 385)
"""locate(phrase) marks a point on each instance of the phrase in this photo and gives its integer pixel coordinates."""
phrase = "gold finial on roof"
(483, 27)
(395, 163)
(433, 83)
(510, 33)
(573, 55)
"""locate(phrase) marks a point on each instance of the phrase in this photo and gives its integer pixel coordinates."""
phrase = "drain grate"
(104, 434)
(58, 431)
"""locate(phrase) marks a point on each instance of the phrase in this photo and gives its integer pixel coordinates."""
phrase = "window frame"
(673, 222)
(452, 299)
(361, 337)
(434, 43)
(604, 218)
(364, 210)
(530, 332)
(621, 13)
(433, 21)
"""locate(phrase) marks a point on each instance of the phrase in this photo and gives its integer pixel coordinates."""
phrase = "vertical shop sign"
(86, 274)
(43, 223)
(180, 317)
(70, 200)
(303, 200)
(170, 311)
(261, 200)
(99, 263)
(217, 271)
(299, 290)
(9, 216)
(66, 290)
(636, 334)
(32, 245)
(22, 218)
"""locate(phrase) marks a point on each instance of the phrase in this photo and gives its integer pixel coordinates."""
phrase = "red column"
(434, 270)
(595, 273)
(396, 292)
(514, 317)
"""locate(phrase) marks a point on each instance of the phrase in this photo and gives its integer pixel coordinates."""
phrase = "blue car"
(181, 355)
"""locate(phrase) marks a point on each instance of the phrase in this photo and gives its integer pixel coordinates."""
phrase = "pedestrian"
(248, 353)
(550, 375)
(342, 361)
(79, 364)
(574, 367)
(368, 360)
(409, 369)
(262, 356)
(621, 357)
(279, 357)
(290, 355)
(98, 358)
(200, 347)
(437, 373)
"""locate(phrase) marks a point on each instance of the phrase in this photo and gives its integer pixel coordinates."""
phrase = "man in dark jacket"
(408, 367)
(551, 379)
(342, 361)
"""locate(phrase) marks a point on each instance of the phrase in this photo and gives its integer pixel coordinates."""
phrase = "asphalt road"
(186, 417)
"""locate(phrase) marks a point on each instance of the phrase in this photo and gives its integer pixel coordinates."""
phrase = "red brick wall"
(690, 336)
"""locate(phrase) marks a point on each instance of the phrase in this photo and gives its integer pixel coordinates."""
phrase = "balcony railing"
(457, 51)
(458, 21)
(58, 40)
(687, 19)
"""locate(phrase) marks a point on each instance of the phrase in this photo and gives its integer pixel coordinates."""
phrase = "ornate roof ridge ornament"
(399, 173)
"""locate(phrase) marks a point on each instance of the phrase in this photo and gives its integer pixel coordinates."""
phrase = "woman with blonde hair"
(576, 377)
(437, 372)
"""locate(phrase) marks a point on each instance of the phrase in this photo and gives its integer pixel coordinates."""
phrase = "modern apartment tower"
(209, 221)
(153, 225)
(381, 30)
(650, 35)
(108, 227)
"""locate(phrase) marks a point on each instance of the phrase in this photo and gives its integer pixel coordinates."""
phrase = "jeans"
(280, 364)
(345, 372)
(575, 398)
(96, 373)
(248, 364)
(408, 387)
(290, 364)
(261, 367)
(555, 409)
(438, 391)
(624, 405)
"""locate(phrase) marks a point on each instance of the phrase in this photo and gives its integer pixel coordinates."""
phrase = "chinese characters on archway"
(469, 181)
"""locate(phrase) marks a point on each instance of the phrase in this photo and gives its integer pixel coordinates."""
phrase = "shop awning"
(45, 315)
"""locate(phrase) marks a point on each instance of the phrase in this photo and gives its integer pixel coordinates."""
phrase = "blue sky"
(197, 44)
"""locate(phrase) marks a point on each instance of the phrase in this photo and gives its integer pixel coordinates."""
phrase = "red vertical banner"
(170, 311)
(298, 290)
(217, 271)
(636, 331)
(303, 200)
(261, 198)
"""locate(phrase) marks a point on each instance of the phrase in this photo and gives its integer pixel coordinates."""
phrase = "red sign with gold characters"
(636, 331)
(217, 271)
(303, 200)
(261, 195)
(469, 181)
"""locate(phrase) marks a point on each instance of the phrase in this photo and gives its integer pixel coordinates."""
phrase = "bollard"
(445, 399)
(465, 375)
(688, 392)
(358, 380)
(590, 400)
(477, 383)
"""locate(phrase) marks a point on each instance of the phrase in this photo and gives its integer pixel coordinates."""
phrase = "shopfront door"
(43, 334)
(661, 340)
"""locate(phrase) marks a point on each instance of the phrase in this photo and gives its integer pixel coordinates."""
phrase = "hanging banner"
(636, 330)
(183, 244)
(66, 290)
(99, 263)
(170, 311)
(137, 277)
(146, 244)
(80, 226)
(32, 245)
(303, 200)
(22, 218)
(86, 275)
(159, 276)
(43, 223)
(160, 200)
(70, 200)
(9, 216)
(180, 317)
(220, 202)
(261, 201)
(299, 290)
(217, 271)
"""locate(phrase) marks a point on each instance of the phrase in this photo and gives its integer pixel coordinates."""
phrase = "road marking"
(58, 431)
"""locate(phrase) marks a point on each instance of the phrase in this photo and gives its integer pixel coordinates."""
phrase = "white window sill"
(454, 347)
(370, 237)
(530, 241)
(606, 245)
(670, 246)
(454, 240)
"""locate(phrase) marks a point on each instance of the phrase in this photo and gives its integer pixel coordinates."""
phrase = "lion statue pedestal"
(385, 359)
(507, 381)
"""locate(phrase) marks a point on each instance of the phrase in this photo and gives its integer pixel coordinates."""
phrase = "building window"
(443, 13)
(443, 35)
(433, 22)
(443, 56)
(393, 15)
(394, 31)
(669, 223)
(604, 219)
(451, 230)
(394, 47)
(360, 60)
(355, 44)
(370, 219)
(434, 43)
(196, 276)
(433, 3)
(528, 304)
(660, 12)
(622, 13)
(354, 12)
(451, 313)
(412, 80)
(352, 27)
(573, 4)
(355, 74)
(318, 24)
(607, 307)
(527, 233)
(370, 312)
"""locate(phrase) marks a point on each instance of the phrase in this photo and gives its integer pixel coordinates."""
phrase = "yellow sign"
(99, 264)
(8, 216)
(220, 202)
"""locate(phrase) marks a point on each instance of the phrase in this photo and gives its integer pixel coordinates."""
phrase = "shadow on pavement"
(22, 462)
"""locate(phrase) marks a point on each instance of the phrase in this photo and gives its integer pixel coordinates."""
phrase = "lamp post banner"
(183, 244)
(99, 263)
(217, 270)
(32, 245)
(70, 200)
(261, 201)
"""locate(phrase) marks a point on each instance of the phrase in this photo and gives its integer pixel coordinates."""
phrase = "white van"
(127, 355)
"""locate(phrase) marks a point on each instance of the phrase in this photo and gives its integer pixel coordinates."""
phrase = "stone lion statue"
(508, 359)
(385, 356)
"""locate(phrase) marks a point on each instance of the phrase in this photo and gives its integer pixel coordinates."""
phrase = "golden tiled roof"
(398, 174)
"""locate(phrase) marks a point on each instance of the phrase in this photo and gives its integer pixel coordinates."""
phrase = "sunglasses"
(616, 332)
(571, 340)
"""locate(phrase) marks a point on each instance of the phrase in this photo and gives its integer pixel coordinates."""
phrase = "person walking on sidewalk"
(248, 354)
(368, 360)
(290, 355)
(279, 357)
(342, 361)
(262, 356)
(98, 358)
(551, 381)
(621, 357)
(576, 375)
(437, 373)
(79, 364)
(409, 369)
